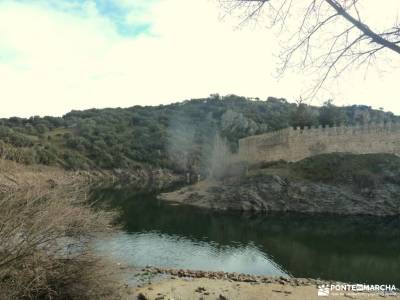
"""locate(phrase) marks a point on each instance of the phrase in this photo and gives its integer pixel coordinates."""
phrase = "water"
(351, 249)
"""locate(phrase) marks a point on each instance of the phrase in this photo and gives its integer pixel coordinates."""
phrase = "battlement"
(292, 144)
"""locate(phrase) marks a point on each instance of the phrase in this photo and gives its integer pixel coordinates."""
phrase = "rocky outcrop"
(266, 193)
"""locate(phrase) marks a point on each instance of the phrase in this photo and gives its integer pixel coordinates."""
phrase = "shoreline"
(14, 176)
(191, 284)
(234, 276)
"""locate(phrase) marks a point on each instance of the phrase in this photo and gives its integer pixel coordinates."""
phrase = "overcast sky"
(59, 55)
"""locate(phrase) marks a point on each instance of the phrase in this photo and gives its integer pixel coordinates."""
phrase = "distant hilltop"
(294, 144)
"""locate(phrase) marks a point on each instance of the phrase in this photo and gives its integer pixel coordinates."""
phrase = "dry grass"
(45, 230)
(13, 176)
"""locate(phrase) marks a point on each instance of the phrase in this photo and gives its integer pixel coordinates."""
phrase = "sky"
(63, 55)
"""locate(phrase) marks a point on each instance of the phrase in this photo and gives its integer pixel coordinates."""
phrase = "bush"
(44, 253)
(364, 179)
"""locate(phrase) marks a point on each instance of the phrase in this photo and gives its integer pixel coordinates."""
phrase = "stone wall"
(295, 144)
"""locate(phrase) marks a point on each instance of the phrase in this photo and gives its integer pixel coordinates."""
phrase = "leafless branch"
(326, 36)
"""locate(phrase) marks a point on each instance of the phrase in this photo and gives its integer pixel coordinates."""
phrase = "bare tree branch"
(363, 28)
(325, 36)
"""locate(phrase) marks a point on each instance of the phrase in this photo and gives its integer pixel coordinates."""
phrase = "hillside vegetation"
(178, 136)
(366, 170)
(358, 170)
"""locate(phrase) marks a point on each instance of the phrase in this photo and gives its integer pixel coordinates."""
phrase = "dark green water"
(351, 249)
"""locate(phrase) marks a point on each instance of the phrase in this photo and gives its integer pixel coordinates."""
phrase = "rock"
(273, 193)
(200, 289)
(141, 296)
(222, 297)
(284, 279)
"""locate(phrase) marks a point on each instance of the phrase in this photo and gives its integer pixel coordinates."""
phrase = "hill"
(179, 136)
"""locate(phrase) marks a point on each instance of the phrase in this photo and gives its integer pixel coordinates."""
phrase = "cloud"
(61, 55)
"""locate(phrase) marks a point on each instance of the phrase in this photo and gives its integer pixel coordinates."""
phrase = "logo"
(323, 290)
(342, 289)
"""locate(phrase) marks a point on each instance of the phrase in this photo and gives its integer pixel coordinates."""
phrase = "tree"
(326, 36)
(331, 115)
(303, 116)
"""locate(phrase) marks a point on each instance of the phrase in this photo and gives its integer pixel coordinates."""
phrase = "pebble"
(233, 277)
(141, 296)
(200, 289)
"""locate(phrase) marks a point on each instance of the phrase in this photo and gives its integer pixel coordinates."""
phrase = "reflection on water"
(173, 251)
(352, 249)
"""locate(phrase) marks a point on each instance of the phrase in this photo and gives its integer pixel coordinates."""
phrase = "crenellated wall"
(295, 144)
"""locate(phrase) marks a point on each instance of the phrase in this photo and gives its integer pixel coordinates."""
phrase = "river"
(350, 249)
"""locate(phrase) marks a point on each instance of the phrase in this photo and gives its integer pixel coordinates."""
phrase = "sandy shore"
(187, 285)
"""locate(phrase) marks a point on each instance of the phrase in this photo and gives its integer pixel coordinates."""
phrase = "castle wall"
(295, 144)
